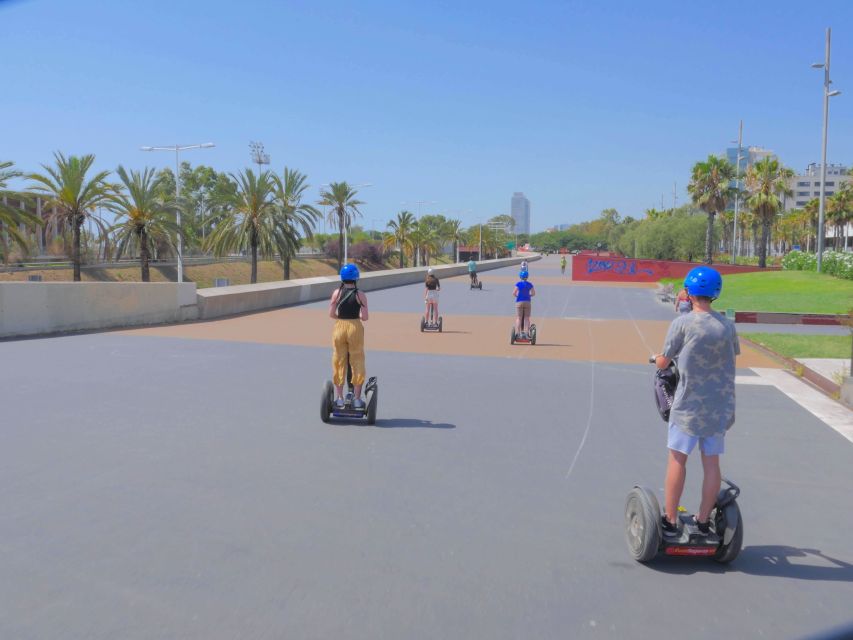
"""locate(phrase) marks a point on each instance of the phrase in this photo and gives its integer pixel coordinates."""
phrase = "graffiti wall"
(612, 268)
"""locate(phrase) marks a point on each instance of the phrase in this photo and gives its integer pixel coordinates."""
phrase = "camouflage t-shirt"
(705, 346)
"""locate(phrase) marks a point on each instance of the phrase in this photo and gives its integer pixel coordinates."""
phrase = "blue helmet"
(349, 272)
(523, 275)
(704, 281)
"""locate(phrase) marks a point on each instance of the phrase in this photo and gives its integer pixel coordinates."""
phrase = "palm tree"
(297, 217)
(766, 181)
(74, 197)
(453, 232)
(10, 217)
(424, 239)
(341, 198)
(146, 217)
(812, 214)
(710, 186)
(251, 220)
(401, 230)
(839, 209)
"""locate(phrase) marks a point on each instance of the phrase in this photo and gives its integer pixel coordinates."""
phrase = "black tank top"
(431, 283)
(348, 304)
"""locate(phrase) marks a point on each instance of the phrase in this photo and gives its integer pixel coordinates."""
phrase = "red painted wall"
(611, 268)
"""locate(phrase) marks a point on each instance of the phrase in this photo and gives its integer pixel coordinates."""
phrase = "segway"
(329, 410)
(643, 527)
(523, 338)
(475, 283)
(432, 324)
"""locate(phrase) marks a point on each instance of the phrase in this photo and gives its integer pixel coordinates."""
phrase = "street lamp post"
(177, 149)
(737, 190)
(827, 94)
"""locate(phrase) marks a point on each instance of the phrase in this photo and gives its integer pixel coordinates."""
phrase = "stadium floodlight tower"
(259, 157)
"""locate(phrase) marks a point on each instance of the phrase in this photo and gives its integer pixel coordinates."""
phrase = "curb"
(781, 317)
(823, 384)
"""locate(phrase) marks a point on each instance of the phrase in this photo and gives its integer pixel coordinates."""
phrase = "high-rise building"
(748, 157)
(806, 186)
(520, 212)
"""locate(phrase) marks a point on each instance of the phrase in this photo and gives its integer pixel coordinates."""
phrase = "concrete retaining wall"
(226, 301)
(31, 308)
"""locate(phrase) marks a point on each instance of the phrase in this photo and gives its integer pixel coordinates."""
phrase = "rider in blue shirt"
(524, 291)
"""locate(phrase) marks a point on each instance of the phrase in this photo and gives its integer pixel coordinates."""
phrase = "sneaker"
(702, 528)
(358, 403)
(669, 530)
(339, 403)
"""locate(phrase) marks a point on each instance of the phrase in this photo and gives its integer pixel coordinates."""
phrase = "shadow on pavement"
(768, 560)
(412, 423)
(774, 560)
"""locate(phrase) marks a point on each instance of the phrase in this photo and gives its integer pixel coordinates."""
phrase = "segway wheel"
(480, 286)
(440, 323)
(326, 400)
(533, 334)
(730, 514)
(642, 524)
(371, 408)
(423, 324)
(512, 336)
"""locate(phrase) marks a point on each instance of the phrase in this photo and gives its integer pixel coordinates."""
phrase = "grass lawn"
(804, 346)
(792, 291)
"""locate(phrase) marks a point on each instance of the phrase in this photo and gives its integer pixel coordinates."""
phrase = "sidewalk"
(833, 369)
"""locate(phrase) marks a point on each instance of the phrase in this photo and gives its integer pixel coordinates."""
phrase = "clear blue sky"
(580, 105)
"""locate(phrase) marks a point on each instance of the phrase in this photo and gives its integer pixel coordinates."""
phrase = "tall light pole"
(346, 226)
(737, 189)
(827, 94)
(177, 149)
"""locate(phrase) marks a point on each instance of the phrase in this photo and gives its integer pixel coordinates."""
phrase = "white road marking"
(591, 400)
(755, 380)
(825, 409)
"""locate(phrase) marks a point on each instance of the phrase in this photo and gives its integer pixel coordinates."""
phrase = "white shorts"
(432, 295)
(678, 440)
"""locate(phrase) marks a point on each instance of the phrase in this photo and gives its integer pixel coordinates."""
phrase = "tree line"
(259, 214)
(681, 234)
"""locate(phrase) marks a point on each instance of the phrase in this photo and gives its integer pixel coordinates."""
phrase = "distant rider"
(563, 265)
(348, 307)
(682, 302)
(524, 291)
(432, 287)
(472, 271)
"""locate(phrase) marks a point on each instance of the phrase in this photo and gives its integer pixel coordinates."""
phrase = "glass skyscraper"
(520, 211)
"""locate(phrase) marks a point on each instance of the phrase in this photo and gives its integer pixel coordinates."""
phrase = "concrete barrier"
(35, 308)
(245, 298)
(32, 308)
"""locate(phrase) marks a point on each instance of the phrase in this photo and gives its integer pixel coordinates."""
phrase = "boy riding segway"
(523, 331)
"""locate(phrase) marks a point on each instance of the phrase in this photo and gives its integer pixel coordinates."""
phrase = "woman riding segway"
(431, 288)
(348, 307)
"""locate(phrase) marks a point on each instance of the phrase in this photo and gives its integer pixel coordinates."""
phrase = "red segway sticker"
(691, 551)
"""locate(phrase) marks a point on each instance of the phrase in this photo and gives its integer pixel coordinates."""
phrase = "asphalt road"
(154, 486)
